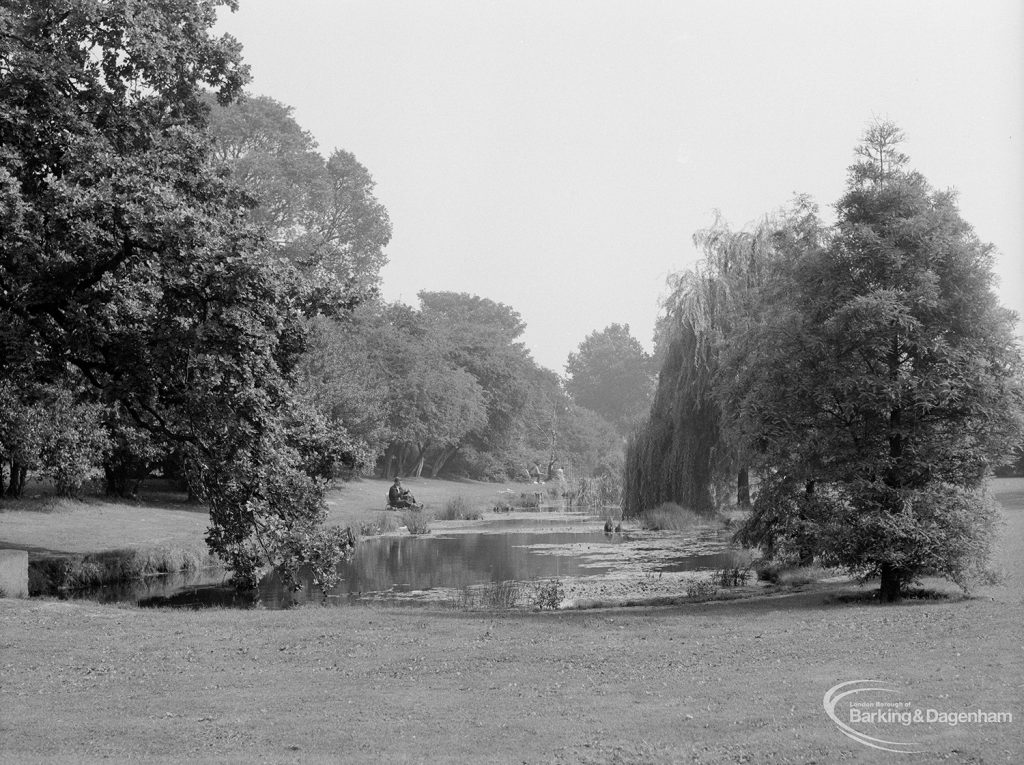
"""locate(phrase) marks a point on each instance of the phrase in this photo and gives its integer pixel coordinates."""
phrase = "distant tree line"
(863, 373)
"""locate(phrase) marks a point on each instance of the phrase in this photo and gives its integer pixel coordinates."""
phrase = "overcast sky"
(558, 156)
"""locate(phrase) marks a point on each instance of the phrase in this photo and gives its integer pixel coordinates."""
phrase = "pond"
(456, 558)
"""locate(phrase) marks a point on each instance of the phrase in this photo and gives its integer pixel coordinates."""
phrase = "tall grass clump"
(384, 523)
(505, 594)
(668, 516)
(50, 575)
(416, 522)
(457, 509)
(599, 493)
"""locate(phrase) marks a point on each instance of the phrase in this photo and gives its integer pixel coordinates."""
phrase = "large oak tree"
(128, 265)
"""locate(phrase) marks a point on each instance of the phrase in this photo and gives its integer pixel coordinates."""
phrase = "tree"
(321, 215)
(481, 337)
(612, 375)
(126, 266)
(684, 452)
(886, 388)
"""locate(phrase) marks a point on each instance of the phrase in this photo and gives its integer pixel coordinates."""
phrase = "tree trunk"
(890, 587)
(390, 469)
(22, 475)
(442, 460)
(421, 457)
(17, 482)
(806, 553)
(403, 460)
(743, 488)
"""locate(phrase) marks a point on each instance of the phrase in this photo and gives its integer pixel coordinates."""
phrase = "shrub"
(732, 577)
(549, 595)
(701, 589)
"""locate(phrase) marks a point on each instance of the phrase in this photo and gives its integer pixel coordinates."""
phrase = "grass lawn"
(737, 681)
(163, 519)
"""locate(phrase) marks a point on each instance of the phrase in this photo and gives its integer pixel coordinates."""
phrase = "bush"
(732, 577)
(549, 595)
(701, 589)
(787, 574)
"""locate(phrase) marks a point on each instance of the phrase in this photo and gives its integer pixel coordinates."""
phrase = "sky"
(558, 155)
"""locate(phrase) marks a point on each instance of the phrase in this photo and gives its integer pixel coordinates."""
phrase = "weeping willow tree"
(690, 449)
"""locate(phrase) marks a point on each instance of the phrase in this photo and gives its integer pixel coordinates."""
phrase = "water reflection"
(397, 568)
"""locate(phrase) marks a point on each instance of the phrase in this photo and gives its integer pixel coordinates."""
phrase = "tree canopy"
(128, 275)
(321, 215)
(865, 371)
(612, 374)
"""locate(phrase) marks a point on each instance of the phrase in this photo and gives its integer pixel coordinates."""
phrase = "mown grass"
(722, 682)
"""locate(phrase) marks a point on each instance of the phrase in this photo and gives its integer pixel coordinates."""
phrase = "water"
(436, 566)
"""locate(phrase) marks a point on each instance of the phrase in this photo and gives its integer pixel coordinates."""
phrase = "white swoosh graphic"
(832, 697)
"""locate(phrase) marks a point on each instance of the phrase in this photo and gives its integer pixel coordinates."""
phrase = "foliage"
(876, 398)
(701, 589)
(733, 576)
(320, 215)
(74, 442)
(45, 428)
(683, 452)
(132, 455)
(481, 337)
(127, 267)
(549, 594)
(612, 375)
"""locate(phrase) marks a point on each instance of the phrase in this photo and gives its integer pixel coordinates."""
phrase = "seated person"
(399, 497)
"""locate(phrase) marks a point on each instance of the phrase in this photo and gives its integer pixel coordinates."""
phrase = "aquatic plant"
(669, 516)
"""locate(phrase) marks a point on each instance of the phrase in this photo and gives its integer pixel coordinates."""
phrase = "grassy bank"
(93, 541)
(84, 543)
(736, 681)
